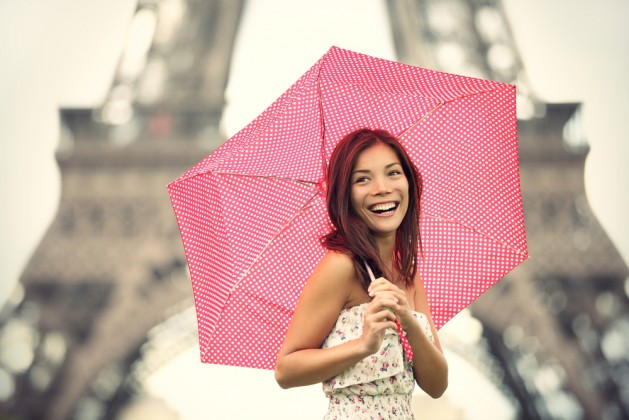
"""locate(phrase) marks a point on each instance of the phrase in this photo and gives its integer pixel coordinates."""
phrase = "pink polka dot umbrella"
(252, 212)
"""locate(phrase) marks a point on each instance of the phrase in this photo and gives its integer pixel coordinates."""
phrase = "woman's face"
(379, 189)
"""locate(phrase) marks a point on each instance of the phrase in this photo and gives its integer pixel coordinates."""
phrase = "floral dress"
(379, 386)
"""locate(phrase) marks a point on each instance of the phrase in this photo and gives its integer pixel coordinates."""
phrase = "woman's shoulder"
(336, 260)
(335, 271)
(337, 274)
(337, 265)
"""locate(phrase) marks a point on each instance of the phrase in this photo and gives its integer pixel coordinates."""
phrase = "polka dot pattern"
(252, 212)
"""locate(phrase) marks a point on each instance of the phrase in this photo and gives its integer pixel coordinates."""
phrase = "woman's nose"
(380, 186)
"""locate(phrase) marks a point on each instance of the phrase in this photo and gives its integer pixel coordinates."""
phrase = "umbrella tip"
(322, 186)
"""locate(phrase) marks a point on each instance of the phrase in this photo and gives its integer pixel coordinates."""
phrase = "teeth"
(383, 207)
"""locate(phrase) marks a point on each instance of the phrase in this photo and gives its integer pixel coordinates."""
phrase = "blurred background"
(103, 103)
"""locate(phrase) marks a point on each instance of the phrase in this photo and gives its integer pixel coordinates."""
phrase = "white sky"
(63, 52)
(281, 39)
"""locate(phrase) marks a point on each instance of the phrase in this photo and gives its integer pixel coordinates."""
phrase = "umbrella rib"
(306, 205)
(279, 178)
(442, 103)
(324, 163)
(428, 114)
(446, 219)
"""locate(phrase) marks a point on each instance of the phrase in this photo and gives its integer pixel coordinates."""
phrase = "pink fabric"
(251, 213)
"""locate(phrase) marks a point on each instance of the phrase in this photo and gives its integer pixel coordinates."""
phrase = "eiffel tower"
(548, 326)
(111, 266)
(109, 280)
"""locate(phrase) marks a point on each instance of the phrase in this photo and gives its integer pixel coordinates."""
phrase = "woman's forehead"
(377, 155)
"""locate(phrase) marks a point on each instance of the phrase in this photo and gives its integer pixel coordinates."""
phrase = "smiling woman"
(357, 349)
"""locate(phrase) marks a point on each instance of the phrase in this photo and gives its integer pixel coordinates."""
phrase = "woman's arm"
(429, 364)
(300, 360)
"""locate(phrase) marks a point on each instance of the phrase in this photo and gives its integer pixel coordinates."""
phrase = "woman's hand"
(378, 317)
(381, 287)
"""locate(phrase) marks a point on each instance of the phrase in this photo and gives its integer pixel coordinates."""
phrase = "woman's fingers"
(382, 288)
(375, 325)
(382, 308)
(378, 322)
(379, 284)
(379, 316)
(382, 285)
(384, 301)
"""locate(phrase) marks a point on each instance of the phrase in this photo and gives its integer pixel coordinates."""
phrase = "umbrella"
(251, 213)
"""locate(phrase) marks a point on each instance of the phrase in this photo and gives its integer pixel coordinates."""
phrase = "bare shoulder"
(337, 262)
(333, 275)
(325, 294)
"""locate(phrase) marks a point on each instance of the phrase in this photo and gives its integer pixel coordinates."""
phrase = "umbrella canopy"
(252, 212)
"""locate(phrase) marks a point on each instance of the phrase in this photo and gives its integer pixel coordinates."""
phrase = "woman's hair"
(350, 235)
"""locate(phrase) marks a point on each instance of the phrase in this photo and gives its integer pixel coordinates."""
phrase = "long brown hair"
(349, 234)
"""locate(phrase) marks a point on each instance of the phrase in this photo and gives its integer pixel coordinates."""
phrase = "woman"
(344, 330)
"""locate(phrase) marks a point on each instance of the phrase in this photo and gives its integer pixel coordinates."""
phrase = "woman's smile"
(384, 209)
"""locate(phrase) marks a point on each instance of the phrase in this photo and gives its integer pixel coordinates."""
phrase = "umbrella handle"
(405, 344)
(371, 276)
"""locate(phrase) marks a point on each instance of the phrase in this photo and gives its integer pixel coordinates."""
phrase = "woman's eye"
(395, 172)
(360, 180)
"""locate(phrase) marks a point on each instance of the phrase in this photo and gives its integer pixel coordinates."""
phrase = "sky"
(63, 53)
